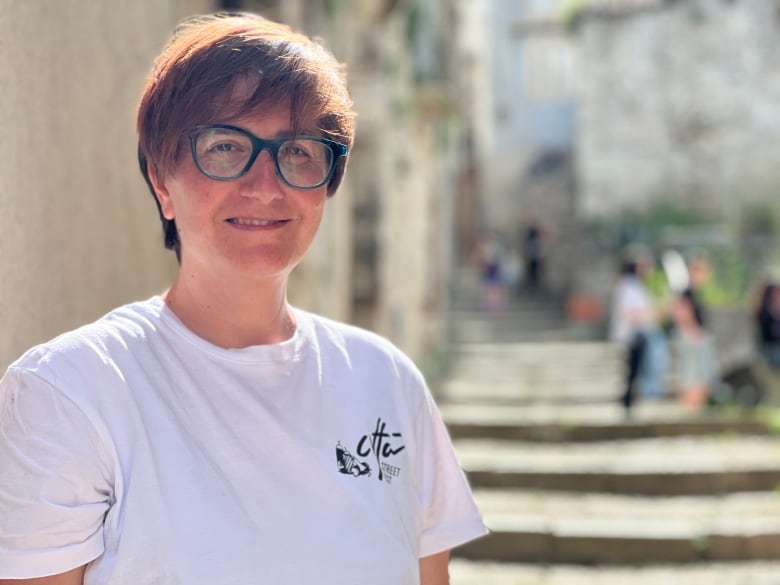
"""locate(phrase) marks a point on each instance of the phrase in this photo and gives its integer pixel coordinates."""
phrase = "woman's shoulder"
(116, 331)
(342, 333)
(354, 341)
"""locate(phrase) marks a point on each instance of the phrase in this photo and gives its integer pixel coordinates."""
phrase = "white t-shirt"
(138, 447)
(632, 309)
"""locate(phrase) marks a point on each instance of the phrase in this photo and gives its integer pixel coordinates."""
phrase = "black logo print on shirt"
(348, 464)
(382, 444)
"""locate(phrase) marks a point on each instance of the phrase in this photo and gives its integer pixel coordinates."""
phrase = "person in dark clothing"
(699, 272)
(533, 252)
(691, 296)
(636, 352)
(768, 324)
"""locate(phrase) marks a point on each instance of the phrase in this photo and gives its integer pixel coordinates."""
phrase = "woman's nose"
(261, 180)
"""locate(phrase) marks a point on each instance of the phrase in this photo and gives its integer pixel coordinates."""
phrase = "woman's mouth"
(250, 222)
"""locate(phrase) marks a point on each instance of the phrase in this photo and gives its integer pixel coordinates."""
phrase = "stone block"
(725, 547)
(605, 550)
(508, 546)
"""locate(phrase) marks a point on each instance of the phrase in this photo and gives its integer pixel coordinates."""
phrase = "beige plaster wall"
(79, 232)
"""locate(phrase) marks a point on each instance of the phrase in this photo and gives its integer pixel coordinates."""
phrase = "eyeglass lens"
(224, 153)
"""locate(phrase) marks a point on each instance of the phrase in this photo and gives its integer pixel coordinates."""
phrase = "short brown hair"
(192, 79)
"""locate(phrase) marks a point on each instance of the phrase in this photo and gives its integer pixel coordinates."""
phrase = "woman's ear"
(161, 192)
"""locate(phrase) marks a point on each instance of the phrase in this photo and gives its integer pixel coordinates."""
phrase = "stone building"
(80, 232)
(678, 100)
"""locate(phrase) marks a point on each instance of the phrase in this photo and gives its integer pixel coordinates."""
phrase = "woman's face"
(255, 225)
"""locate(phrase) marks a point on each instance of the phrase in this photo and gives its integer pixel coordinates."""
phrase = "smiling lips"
(245, 221)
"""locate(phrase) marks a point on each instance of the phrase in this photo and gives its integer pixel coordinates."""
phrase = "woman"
(215, 434)
(695, 351)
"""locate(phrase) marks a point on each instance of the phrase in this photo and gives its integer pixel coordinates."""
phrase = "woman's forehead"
(245, 100)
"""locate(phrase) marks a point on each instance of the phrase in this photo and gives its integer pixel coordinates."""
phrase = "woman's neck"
(232, 316)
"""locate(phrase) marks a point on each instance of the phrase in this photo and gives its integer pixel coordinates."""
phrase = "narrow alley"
(572, 491)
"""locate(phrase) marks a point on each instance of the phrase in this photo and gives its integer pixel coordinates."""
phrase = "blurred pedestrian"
(534, 254)
(768, 324)
(492, 277)
(699, 274)
(634, 325)
(694, 352)
(766, 369)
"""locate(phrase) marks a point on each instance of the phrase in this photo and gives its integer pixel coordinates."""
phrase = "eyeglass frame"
(272, 146)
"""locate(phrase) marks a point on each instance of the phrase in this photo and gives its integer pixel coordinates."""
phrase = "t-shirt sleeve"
(55, 482)
(449, 515)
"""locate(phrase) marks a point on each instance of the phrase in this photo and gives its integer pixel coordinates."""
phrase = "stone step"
(557, 332)
(663, 466)
(569, 360)
(513, 314)
(472, 306)
(464, 572)
(603, 529)
(515, 321)
(533, 352)
(535, 367)
(601, 389)
(542, 372)
(590, 422)
(527, 323)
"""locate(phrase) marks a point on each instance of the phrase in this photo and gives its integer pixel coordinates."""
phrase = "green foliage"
(772, 417)
(656, 283)
(760, 219)
(730, 278)
(332, 6)
(413, 21)
(669, 213)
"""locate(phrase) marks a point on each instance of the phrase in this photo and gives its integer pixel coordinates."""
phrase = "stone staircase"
(573, 491)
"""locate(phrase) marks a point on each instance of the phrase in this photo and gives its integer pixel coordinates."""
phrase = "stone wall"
(80, 232)
(679, 100)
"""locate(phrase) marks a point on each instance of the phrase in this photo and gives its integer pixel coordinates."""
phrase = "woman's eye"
(295, 150)
(222, 144)
(223, 147)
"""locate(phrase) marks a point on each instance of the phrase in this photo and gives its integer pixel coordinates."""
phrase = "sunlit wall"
(80, 232)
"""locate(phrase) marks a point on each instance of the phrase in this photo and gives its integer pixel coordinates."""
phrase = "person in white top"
(632, 320)
(214, 434)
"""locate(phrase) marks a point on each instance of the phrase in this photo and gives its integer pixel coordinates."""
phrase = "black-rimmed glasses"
(225, 153)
